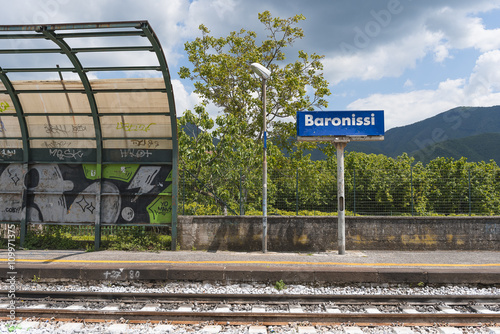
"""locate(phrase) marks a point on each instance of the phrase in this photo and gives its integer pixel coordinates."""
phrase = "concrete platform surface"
(438, 267)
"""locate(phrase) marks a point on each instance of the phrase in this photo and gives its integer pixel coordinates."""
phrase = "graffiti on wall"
(4, 106)
(130, 193)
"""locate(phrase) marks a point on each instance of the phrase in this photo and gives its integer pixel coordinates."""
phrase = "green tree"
(448, 190)
(485, 188)
(222, 76)
(214, 160)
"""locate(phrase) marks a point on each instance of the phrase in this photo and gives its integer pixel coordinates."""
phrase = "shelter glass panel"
(60, 126)
(55, 102)
(137, 84)
(139, 143)
(6, 105)
(9, 126)
(55, 85)
(11, 143)
(132, 102)
(62, 143)
(144, 126)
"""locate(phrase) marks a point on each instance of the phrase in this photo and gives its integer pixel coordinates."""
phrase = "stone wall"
(319, 234)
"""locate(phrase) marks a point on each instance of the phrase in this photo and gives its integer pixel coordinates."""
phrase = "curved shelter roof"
(121, 118)
(90, 94)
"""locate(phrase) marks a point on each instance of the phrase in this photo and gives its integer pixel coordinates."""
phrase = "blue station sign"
(340, 123)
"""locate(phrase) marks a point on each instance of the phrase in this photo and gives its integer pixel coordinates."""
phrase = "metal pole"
(241, 194)
(264, 171)
(354, 190)
(341, 196)
(297, 192)
(411, 187)
(183, 192)
(470, 197)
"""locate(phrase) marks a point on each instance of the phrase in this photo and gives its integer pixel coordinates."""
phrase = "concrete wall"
(318, 234)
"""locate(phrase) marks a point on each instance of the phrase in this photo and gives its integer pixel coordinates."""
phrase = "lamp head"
(261, 71)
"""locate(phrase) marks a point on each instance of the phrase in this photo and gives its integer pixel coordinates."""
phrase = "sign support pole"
(264, 170)
(340, 127)
(340, 145)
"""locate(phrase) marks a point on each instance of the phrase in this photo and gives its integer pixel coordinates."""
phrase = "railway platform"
(378, 267)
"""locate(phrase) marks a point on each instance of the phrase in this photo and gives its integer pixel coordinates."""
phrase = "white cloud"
(406, 108)
(485, 78)
(441, 53)
(461, 30)
(183, 99)
(408, 37)
(481, 89)
(408, 83)
(389, 60)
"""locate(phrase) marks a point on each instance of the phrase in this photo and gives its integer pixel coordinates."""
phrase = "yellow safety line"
(263, 262)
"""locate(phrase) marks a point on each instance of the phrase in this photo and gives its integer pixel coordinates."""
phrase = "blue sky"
(414, 59)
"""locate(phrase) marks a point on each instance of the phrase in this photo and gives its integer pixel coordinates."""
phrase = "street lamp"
(264, 73)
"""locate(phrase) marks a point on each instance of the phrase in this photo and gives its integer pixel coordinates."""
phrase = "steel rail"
(222, 315)
(269, 318)
(269, 298)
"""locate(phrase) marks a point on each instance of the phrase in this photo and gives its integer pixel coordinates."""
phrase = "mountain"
(483, 147)
(471, 132)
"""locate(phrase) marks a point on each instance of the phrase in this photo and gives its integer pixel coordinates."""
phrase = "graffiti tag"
(133, 127)
(79, 128)
(146, 143)
(113, 274)
(13, 210)
(117, 274)
(61, 128)
(2, 127)
(3, 106)
(7, 153)
(158, 209)
(56, 144)
(132, 153)
(55, 129)
(66, 154)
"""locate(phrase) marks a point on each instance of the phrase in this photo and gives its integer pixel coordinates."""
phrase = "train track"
(267, 309)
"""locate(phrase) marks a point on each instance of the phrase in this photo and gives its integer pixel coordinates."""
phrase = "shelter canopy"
(127, 116)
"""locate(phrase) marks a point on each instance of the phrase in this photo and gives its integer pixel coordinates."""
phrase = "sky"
(411, 58)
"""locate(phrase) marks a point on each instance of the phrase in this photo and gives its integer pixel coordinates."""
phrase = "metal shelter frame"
(21, 149)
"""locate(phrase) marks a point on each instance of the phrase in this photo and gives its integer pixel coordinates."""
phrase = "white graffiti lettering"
(113, 274)
(7, 153)
(66, 154)
(131, 153)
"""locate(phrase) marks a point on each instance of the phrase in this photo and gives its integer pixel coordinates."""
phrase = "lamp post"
(264, 73)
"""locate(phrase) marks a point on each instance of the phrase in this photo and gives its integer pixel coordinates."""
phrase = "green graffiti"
(3, 106)
(160, 210)
(122, 172)
(90, 171)
(168, 190)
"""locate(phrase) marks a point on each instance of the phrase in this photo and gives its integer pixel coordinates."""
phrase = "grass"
(130, 238)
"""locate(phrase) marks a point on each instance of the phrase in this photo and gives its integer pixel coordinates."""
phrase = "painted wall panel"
(67, 193)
